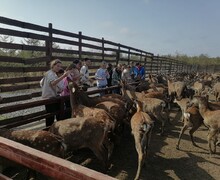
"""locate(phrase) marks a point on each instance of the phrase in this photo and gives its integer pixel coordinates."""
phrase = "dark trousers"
(50, 108)
(67, 114)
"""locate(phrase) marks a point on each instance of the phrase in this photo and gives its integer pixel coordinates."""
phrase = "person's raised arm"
(56, 81)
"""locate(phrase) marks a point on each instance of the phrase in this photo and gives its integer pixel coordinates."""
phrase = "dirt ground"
(163, 160)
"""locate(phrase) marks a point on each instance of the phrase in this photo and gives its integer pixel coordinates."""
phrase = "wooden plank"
(3, 177)
(21, 24)
(49, 165)
(35, 69)
(16, 87)
(85, 45)
(22, 69)
(66, 51)
(110, 43)
(134, 49)
(110, 49)
(26, 105)
(11, 59)
(21, 122)
(11, 69)
(4, 100)
(15, 98)
(88, 53)
(13, 87)
(23, 34)
(34, 78)
(91, 39)
(36, 60)
(19, 80)
(21, 47)
(12, 80)
(19, 118)
(65, 41)
(65, 33)
(23, 61)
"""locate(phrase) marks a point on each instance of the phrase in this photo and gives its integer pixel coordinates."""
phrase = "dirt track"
(163, 161)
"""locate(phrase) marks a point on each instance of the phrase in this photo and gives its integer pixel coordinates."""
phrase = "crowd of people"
(55, 81)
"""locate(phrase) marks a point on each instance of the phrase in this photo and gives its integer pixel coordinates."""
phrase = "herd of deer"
(97, 122)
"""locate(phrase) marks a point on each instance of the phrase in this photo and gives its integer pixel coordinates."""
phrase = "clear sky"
(163, 27)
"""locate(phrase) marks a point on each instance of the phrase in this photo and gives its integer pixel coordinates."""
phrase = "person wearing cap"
(51, 87)
(101, 76)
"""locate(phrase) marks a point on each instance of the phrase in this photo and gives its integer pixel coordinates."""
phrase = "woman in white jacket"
(51, 87)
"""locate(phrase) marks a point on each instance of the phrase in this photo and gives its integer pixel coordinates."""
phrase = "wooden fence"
(19, 82)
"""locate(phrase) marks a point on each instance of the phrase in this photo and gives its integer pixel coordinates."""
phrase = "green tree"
(7, 52)
(31, 54)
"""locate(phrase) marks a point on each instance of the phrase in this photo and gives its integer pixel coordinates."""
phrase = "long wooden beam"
(47, 164)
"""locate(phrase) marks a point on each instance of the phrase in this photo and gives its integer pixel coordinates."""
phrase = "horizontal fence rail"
(47, 164)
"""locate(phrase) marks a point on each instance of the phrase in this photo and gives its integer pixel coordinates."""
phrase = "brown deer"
(211, 120)
(141, 125)
(216, 89)
(115, 107)
(183, 104)
(176, 88)
(153, 106)
(79, 110)
(84, 132)
(191, 118)
(38, 139)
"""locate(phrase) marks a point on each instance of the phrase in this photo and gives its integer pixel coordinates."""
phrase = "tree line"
(202, 59)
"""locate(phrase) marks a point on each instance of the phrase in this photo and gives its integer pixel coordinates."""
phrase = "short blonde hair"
(54, 62)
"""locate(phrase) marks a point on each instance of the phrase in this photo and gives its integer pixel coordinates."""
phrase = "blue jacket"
(139, 72)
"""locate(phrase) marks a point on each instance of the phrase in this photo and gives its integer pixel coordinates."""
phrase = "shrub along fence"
(26, 57)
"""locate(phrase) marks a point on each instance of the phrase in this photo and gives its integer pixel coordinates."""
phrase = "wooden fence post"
(140, 57)
(157, 64)
(170, 69)
(152, 59)
(103, 49)
(49, 45)
(118, 54)
(160, 65)
(129, 56)
(80, 45)
(145, 62)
